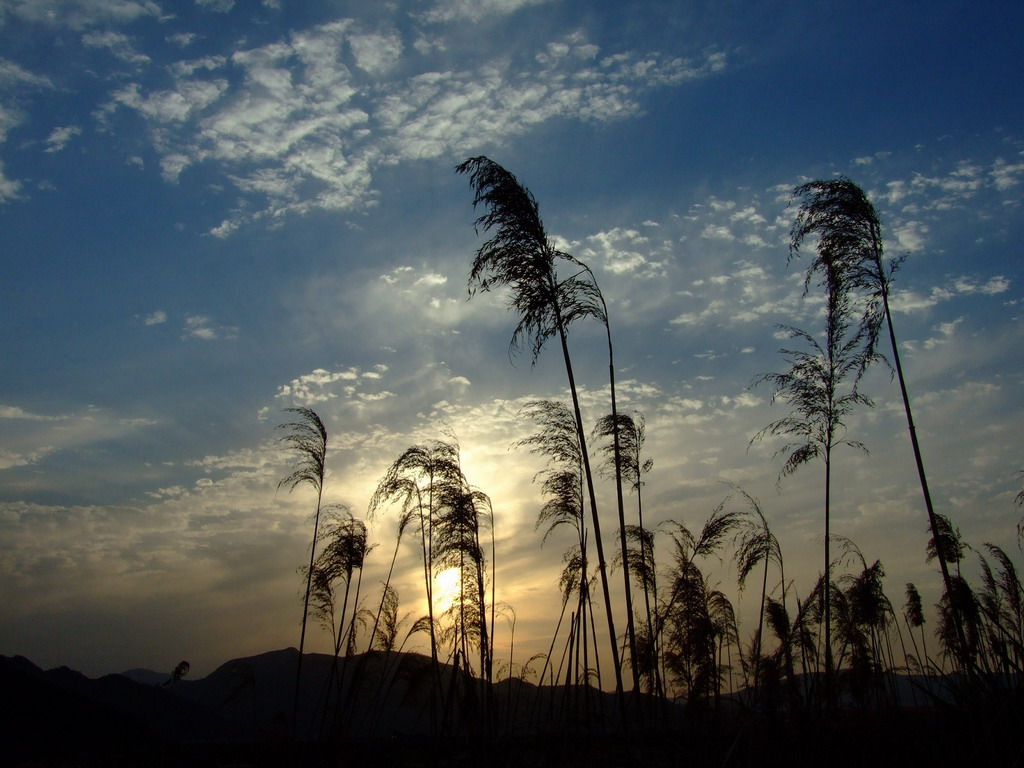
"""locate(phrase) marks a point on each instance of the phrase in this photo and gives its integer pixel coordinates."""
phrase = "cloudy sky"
(213, 210)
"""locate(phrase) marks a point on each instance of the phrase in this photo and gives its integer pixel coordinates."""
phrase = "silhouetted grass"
(828, 670)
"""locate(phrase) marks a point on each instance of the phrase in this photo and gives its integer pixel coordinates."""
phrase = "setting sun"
(446, 589)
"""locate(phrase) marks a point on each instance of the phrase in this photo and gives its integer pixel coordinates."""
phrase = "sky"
(214, 210)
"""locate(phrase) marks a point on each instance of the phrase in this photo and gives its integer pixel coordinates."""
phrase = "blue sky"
(213, 210)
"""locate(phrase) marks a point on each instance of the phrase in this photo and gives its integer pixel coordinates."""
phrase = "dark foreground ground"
(235, 719)
(878, 739)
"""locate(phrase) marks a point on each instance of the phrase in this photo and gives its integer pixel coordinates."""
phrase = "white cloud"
(156, 318)
(315, 387)
(118, 44)
(910, 236)
(10, 117)
(217, 6)
(14, 78)
(59, 138)
(717, 232)
(376, 53)
(199, 327)
(425, 46)
(945, 332)
(433, 113)
(225, 228)
(910, 301)
(27, 437)
(431, 278)
(183, 39)
(998, 284)
(178, 105)
(743, 399)
(80, 14)
(621, 251)
(1005, 175)
(344, 387)
(13, 75)
(167, 493)
(953, 189)
(947, 192)
(373, 397)
(422, 286)
(714, 308)
(392, 277)
(14, 412)
(11, 459)
(748, 215)
(460, 384)
(897, 191)
(300, 132)
(445, 11)
(746, 294)
(187, 68)
(9, 188)
(993, 286)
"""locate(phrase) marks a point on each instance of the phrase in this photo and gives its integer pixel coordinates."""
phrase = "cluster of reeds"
(840, 644)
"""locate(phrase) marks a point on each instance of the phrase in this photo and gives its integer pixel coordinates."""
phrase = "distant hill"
(251, 699)
(244, 708)
(61, 710)
(147, 676)
(385, 695)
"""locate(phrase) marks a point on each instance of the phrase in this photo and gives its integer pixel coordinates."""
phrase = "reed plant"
(520, 256)
(837, 646)
(624, 461)
(562, 486)
(757, 545)
(418, 478)
(695, 616)
(820, 386)
(308, 438)
(849, 233)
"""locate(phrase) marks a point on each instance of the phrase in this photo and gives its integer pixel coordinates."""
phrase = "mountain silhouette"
(250, 700)
(240, 714)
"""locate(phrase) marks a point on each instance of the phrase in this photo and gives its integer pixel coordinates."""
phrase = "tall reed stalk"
(308, 438)
(849, 234)
(520, 256)
(757, 545)
(821, 388)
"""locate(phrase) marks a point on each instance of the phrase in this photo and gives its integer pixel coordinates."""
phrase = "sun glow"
(446, 589)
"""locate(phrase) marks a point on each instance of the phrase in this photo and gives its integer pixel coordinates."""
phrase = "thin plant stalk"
(308, 437)
(520, 256)
(850, 235)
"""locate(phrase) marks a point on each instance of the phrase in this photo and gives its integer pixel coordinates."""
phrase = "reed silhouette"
(821, 387)
(838, 648)
(308, 438)
(756, 544)
(520, 256)
(563, 488)
(850, 242)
